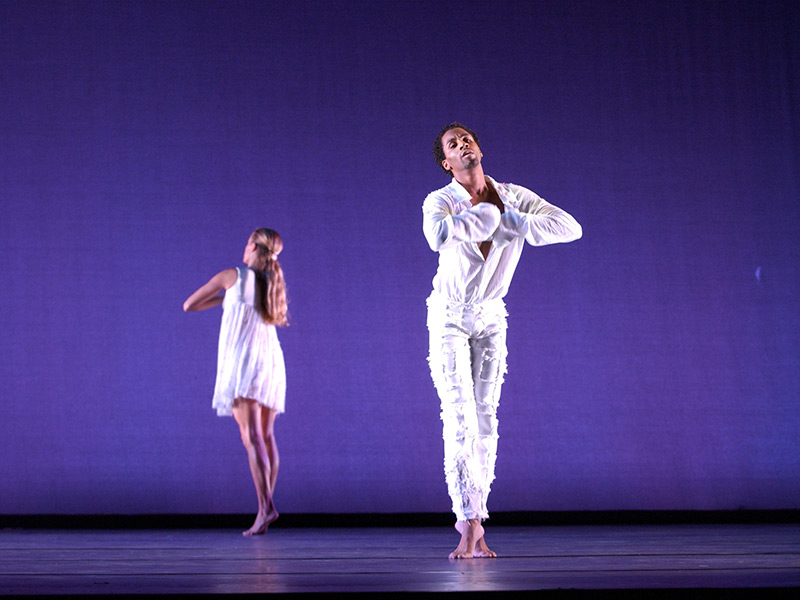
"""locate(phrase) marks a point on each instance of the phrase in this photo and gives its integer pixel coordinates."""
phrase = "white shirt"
(454, 228)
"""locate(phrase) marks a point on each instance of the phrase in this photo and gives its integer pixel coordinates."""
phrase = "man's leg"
(451, 371)
(489, 368)
(451, 360)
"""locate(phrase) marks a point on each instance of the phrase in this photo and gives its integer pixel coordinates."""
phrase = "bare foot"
(472, 544)
(261, 523)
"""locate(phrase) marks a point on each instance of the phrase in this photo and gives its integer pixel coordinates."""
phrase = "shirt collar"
(462, 195)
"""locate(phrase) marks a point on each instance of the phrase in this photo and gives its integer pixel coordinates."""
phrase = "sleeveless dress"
(250, 360)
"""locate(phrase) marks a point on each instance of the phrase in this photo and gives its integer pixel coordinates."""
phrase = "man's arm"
(444, 230)
(538, 221)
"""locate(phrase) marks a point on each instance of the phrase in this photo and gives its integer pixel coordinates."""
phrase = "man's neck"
(474, 182)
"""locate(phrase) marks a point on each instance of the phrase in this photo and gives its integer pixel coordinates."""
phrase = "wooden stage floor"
(343, 561)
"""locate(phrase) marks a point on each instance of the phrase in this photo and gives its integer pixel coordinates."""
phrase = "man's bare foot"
(472, 544)
(261, 523)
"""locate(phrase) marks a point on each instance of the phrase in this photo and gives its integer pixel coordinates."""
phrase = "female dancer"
(251, 378)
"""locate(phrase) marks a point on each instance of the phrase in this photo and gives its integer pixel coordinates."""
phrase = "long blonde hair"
(273, 308)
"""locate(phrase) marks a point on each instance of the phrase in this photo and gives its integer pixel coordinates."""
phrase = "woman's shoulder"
(228, 277)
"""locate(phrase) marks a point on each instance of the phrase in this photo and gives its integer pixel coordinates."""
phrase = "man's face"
(461, 151)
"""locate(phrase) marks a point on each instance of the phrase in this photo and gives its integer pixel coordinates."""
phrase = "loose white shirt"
(454, 228)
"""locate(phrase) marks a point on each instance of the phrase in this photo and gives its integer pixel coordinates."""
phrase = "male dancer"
(478, 226)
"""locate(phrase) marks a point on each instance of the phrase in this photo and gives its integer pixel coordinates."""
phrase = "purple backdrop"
(653, 364)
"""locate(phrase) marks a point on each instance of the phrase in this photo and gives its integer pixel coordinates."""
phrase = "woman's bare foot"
(472, 544)
(261, 523)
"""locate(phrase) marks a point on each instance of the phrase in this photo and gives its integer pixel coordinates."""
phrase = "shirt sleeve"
(535, 219)
(443, 229)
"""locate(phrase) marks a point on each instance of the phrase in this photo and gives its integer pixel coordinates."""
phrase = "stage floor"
(404, 559)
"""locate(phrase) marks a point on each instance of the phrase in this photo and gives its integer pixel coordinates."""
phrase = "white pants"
(468, 361)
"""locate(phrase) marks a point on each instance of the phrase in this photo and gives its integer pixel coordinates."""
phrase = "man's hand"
(490, 195)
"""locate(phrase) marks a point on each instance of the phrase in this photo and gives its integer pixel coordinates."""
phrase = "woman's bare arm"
(210, 294)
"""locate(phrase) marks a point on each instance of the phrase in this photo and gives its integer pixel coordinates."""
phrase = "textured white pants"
(468, 361)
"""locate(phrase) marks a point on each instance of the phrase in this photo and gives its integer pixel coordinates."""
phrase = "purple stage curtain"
(653, 364)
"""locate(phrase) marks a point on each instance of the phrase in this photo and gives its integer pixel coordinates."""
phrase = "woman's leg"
(268, 433)
(248, 416)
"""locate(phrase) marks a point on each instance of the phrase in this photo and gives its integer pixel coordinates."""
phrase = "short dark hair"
(438, 148)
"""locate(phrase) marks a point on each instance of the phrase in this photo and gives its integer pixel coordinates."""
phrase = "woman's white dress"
(250, 360)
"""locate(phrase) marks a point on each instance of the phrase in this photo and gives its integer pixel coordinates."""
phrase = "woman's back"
(245, 290)
(250, 360)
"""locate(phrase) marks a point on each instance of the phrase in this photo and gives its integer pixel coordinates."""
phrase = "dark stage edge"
(623, 555)
(327, 520)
